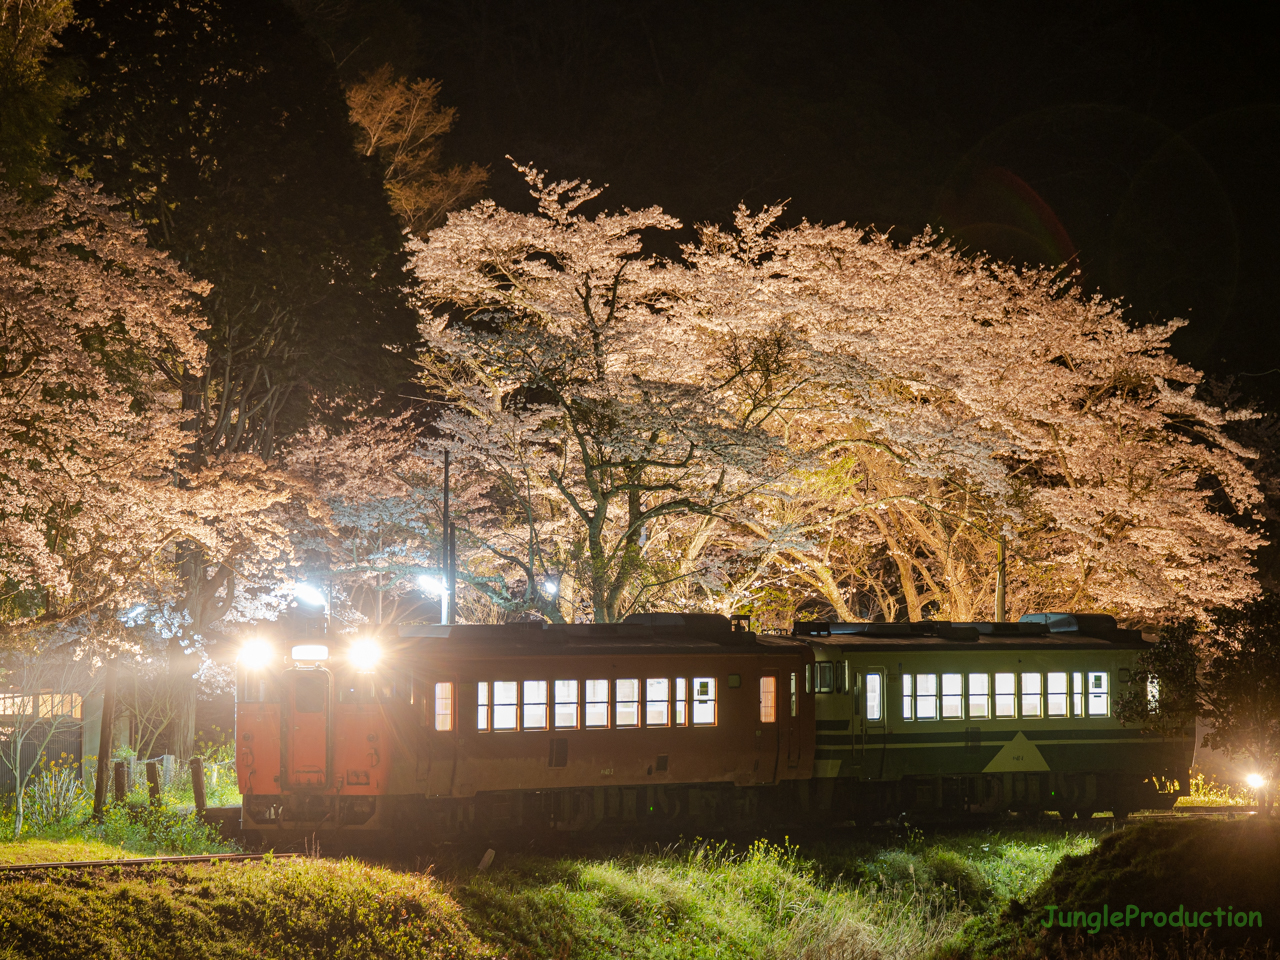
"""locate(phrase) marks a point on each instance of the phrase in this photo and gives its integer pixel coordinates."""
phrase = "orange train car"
(684, 720)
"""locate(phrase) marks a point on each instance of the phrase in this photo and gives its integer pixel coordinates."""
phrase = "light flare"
(365, 655)
(256, 654)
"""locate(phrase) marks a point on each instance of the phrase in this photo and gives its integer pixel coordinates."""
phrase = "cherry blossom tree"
(547, 351)
(100, 509)
(816, 409)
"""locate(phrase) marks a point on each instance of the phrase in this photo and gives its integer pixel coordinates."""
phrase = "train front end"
(314, 747)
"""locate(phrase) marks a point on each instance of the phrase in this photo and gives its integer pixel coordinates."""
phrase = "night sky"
(1138, 138)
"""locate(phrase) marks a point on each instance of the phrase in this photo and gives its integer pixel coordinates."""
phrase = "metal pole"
(446, 605)
(104, 739)
(1000, 580)
(451, 583)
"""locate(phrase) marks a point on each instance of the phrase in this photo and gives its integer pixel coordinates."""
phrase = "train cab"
(314, 731)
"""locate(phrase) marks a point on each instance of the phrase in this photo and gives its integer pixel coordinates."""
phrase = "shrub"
(898, 869)
(55, 798)
(157, 829)
(950, 868)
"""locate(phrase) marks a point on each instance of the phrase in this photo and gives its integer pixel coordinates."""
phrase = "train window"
(444, 706)
(1098, 706)
(768, 699)
(657, 703)
(842, 676)
(1006, 696)
(597, 703)
(482, 706)
(704, 701)
(682, 701)
(506, 695)
(873, 696)
(566, 704)
(826, 677)
(626, 704)
(1077, 694)
(1032, 687)
(907, 711)
(808, 678)
(953, 696)
(310, 692)
(1056, 687)
(926, 696)
(979, 696)
(795, 700)
(535, 705)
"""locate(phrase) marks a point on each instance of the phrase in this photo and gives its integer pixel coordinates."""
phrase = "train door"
(793, 723)
(307, 727)
(773, 709)
(442, 736)
(873, 705)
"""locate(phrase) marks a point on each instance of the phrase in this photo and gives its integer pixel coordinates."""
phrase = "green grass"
(848, 899)
(280, 909)
(899, 897)
(49, 850)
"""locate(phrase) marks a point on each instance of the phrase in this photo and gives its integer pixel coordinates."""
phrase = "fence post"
(121, 781)
(104, 740)
(197, 783)
(153, 781)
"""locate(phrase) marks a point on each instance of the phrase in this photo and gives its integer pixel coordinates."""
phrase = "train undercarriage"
(708, 808)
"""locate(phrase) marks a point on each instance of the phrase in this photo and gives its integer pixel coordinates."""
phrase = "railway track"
(143, 861)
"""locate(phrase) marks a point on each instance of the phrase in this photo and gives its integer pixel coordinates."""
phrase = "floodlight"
(364, 655)
(308, 594)
(310, 651)
(550, 586)
(432, 585)
(256, 654)
(1256, 780)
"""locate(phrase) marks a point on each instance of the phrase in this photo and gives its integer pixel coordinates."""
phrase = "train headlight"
(256, 654)
(365, 655)
(1256, 780)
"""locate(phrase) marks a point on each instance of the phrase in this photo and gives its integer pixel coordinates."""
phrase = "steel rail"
(143, 861)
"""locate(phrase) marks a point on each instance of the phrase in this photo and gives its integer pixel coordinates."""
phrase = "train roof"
(644, 634)
(1055, 631)
(706, 633)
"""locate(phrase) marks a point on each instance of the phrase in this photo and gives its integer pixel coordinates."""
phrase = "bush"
(950, 868)
(898, 869)
(55, 798)
(157, 830)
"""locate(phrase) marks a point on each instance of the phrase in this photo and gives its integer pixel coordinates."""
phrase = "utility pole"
(104, 740)
(1000, 580)
(446, 595)
(451, 578)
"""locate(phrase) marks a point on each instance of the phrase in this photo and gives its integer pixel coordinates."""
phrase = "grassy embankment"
(850, 899)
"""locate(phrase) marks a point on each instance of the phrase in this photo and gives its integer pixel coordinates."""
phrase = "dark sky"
(1140, 137)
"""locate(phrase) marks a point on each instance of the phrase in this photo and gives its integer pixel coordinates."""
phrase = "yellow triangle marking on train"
(1019, 755)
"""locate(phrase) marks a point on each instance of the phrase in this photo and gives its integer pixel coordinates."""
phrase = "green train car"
(942, 720)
